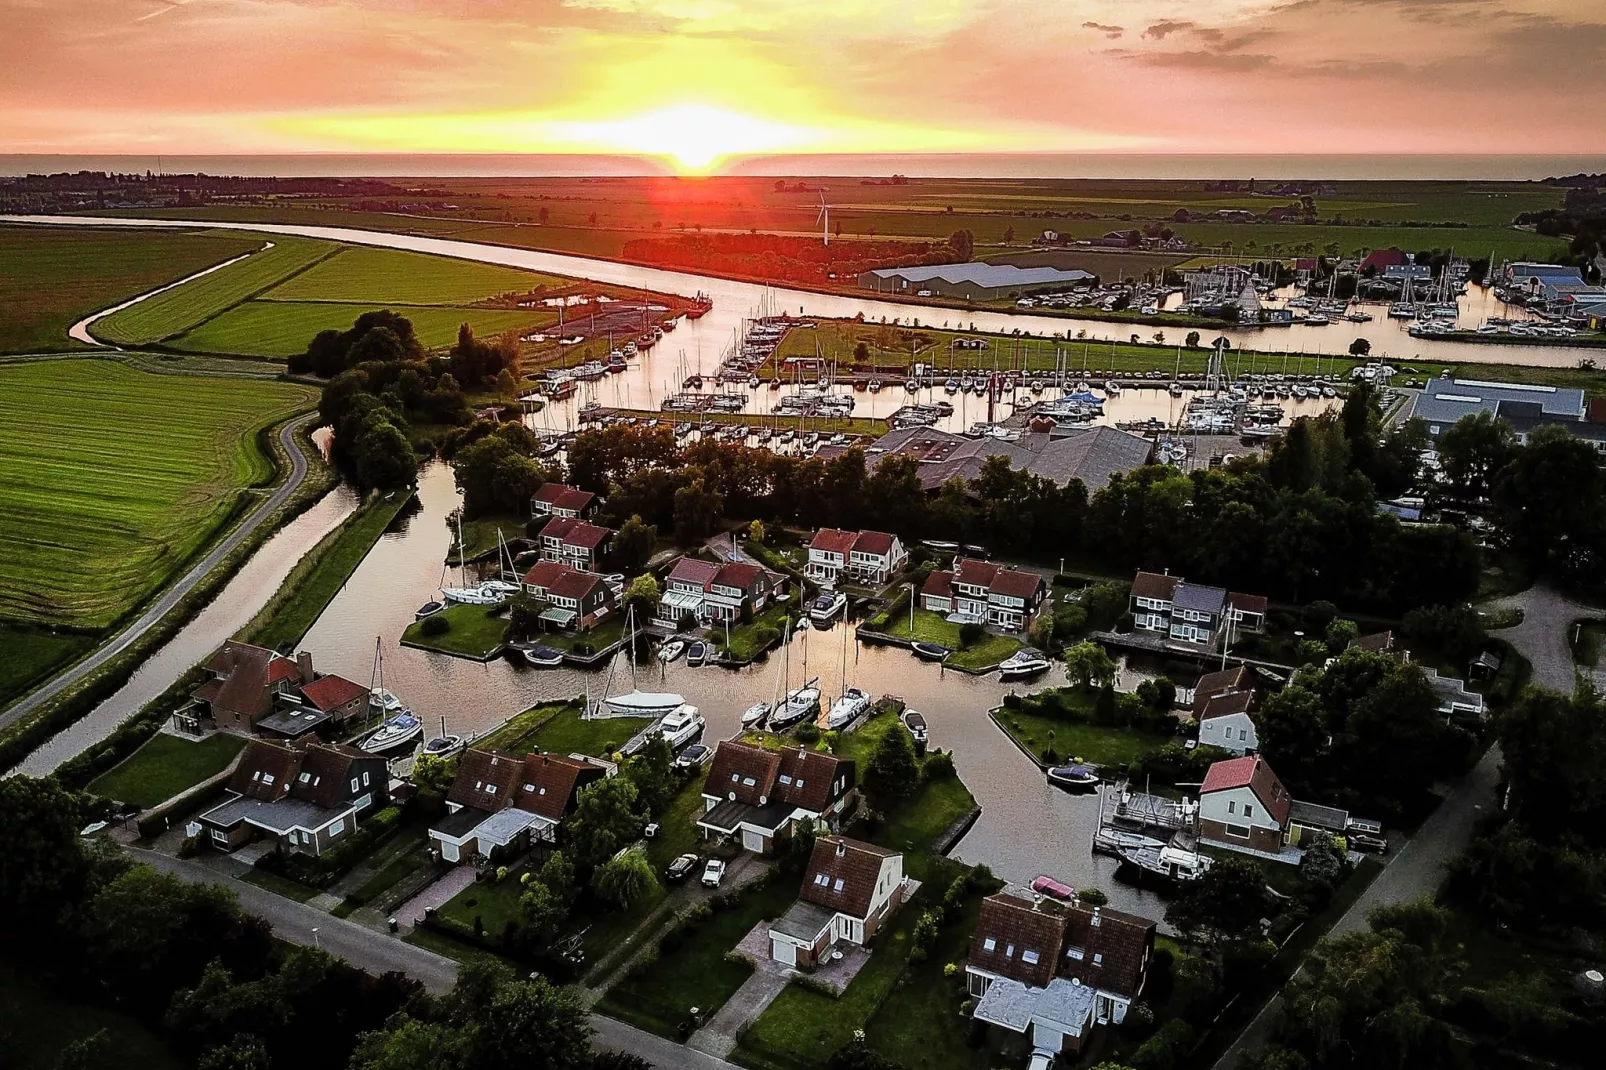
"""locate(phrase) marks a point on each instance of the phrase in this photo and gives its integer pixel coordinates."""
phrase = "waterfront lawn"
(678, 833)
(165, 766)
(321, 573)
(397, 277)
(748, 641)
(479, 535)
(559, 729)
(473, 632)
(802, 1028)
(984, 654)
(1040, 730)
(658, 994)
(29, 657)
(112, 479)
(587, 642)
(37, 1024)
(50, 277)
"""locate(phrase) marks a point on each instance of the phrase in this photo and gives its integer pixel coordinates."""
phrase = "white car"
(713, 873)
(1042, 1059)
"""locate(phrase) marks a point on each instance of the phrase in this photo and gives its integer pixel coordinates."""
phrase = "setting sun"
(695, 137)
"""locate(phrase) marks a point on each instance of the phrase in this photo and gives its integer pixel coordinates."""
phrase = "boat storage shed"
(975, 281)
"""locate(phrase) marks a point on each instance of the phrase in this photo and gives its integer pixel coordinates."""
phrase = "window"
(838, 885)
(1098, 959)
(267, 778)
(353, 783)
(529, 787)
(490, 789)
(365, 780)
(748, 782)
(257, 775)
(786, 779)
(1240, 831)
(800, 782)
(735, 777)
(1029, 957)
(821, 880)
(1009, 952)
(1232, 807)
(337, 828)
(1243, 734)
(1249, 811)
(305, 777)
(989, 944)
(1074, 953)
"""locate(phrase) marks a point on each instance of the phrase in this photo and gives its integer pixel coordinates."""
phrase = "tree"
(385, 459)
(1360, 348)
(1324, 862)
(42, 866)
(963, 243)
(1339, 633)
(755, 532)
(604, 820)
(244, 1052)
(633, 544)
(643, 595)
(531, 1023)
(626, 880)
(1473, 450)
(1192, 340)
(653, 774)
(557, 873)
(892, 774)
(1042, 631)
(1223, 906)
(697, 512)
(1088, 663)
(1291, 728)
(411, 1045)
(543, 911)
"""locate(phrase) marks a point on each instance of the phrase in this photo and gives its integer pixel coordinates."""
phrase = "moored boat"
(929, 651)
(428, 609)
(1024, 662)
(826, 607)
(755, 715)
(1075, 777)
(680, 726)
(543, 657)
(916, 725)
(699, 653)
(848, 708)
(801, 703)
(445, 746)
(644, 703)
(671, 650)
(394, 734)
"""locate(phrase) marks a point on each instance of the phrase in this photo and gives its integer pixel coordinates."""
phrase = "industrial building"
(971, 282)
(1526, 408)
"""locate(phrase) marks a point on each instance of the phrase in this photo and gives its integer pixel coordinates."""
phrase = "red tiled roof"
(939, 584)
(485, 779)
(1253, 773)
(563, 496)
(1215, 683)
(574, 584)
(1014, 926)
(734, 765)
(873, 542)
(583, 533)
(546, 573)
(740, 574)
(246, 677)
(282, 668)
(546, 784)
(1246, 603)
(694, 570)
(1154, 585)
(1115, 951)
(1016, 584)
(857, 865)
(834, 541)
(813, 775)
(968, 570)
(330, 692)
(1384, 258)
(1222, 705)
(260, 760)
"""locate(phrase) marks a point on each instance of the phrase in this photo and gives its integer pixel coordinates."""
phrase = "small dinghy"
(1076, 777)
(755, 715)
(929, 651)
(544, 657)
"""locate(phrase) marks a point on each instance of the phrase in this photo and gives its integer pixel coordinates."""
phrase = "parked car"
(1042, 1059)
(713, 873)
(681, 867)
(1365, 841)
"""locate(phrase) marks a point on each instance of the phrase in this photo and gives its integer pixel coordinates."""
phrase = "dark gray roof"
(803, 920)
(1444, 401)
(730, 815)
(982, 274)
(460, 824)
(1329, 818)
(1199, 598)
(293, 723)
(1090, 454)
(279, 816)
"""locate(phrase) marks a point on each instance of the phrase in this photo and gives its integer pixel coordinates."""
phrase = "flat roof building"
(973, 281)
(1444, 401)
(1090, 454)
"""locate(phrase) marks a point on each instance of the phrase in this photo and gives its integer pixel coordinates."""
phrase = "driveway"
(126, 638)
(1543, 636)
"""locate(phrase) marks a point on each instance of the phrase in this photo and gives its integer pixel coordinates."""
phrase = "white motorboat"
(644, 703)
(755, 714)
(394, 734)
(916, 725)
(826, 607)
(445, 746)
(801, 703)
(848, 708)
(1171, 862)
(502, 588)
(1024, 662)
(671, 650)
(680, 726)
(543, 657)
(384, 703)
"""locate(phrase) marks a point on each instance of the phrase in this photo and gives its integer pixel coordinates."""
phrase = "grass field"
(931, 627)
(35, 1025)
(111, 478)
(1109, 747)
(50, 277)
(357, 274)
(165, 766)
(183, 307)
(28, 657)
(473, 631)
(282, 328)
(557, 727)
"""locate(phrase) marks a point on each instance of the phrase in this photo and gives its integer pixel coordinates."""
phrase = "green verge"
(559, 729)
(165, 766)
(29, 657)
(1036, 733)
(320, 574)
(473, 631)
(981, 656)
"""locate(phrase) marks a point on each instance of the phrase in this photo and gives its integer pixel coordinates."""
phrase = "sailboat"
(400, 726)
(466, 595)
(639, 703)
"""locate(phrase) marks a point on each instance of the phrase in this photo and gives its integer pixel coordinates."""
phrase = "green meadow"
(357, 274)
(111, 479)
(183, 307)
(51, 277)
(279, 329)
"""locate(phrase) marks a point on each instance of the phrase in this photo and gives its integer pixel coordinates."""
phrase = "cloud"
(1161, 30)
(1111, 32)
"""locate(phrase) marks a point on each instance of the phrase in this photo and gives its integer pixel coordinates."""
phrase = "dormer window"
(490, 789)
(989, 944)
(1029, 957)
(529, 787)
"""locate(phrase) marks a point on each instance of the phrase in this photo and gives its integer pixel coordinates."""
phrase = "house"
(1092, 455)
(1190, 612)
(1455, 701)
(1052, 969)
(1211, 684)
(738, 588)
(327, 700)
(866, 556)
(577, 543)
(574, 598)
(850, 890)
(562, 500)
(685, 591)
(1444, 401)
(505, 802)
(1376, 642)
(983, 593)
(1243, 804)
(305, 797)
(243, 684)
(1224, 722)
(761, 795)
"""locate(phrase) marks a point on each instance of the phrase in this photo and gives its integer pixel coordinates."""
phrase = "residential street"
(178, 590)
(1543, 635)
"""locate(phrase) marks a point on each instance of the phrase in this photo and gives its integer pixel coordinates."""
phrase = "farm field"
(184, 307)
(140, 471)
(29, 657)
(279, 329)
(357, 274)
(51, 277)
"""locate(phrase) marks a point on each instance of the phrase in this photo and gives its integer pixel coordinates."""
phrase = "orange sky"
(699, 81)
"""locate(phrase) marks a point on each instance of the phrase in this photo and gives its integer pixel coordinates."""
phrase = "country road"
(377, 953)
(112, 648)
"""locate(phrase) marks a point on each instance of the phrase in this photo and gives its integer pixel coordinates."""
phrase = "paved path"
(718, 1037)
(115, 646)
(1544, 635)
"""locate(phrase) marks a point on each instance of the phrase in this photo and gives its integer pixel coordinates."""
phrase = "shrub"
(1093, 897)
(1166, 1048)
(1050, 756)
(807, 733)
(924, 935)
(1012, 701)
(435, 625)
(970, 634)
(939, 765)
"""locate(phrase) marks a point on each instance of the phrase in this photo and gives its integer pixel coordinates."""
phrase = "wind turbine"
(824, 218)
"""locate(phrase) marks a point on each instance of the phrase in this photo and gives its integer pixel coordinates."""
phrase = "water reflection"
(1026, 827)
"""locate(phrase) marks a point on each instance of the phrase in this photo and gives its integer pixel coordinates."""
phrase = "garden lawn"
(321, 573)
(748, 641)
(1069, 739)
(165, 766)
(479, 536)
(183, 307)
(280, 329)
(474, 632)
(931, 627)
(678, 833)
(657, 995)
(36, 1025)
(395, 277)
(29, 657)
(801, 1028)
(604, 635)
(559, 729)
(112, 479)
(51, 277)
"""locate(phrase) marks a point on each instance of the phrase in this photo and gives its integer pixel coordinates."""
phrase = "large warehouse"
(975, 281)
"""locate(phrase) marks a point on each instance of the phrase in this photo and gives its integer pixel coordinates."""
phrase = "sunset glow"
(700, 82)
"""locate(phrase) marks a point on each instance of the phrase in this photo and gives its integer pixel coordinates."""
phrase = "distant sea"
(935, 165)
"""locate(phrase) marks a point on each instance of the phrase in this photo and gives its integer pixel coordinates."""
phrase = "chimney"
(304, 663)
(841, 848)
(1096, 918)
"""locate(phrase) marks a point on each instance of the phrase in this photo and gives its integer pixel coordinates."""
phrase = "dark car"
(682, 867)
